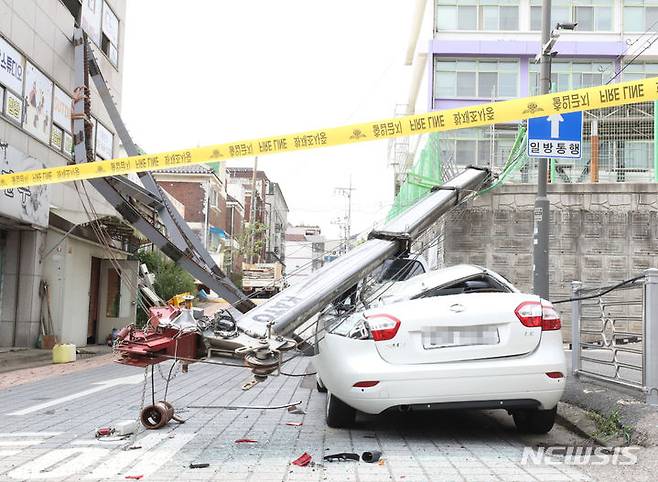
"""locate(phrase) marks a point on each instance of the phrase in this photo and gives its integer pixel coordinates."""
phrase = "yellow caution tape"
(444, 120)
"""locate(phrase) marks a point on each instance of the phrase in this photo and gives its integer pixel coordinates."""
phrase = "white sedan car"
(457, 338)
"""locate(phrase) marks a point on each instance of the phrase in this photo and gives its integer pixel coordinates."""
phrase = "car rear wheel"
(534, 421)
(339, 414)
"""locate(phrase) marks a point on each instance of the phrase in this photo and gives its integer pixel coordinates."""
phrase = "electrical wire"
(601, 293)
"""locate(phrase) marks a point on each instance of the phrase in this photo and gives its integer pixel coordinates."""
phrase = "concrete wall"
(67, 269)
(599, 233)
(20, 302)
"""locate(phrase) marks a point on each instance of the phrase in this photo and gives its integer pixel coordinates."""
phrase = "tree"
(170, 279)
(247, 249)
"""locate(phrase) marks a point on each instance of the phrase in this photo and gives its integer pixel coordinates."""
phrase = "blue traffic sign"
(557, 135)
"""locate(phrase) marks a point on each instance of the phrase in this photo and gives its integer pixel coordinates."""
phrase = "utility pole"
(252, 214)
(542, 204)
(347, 192)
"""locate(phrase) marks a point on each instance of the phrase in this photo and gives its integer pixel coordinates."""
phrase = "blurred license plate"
(439, 337)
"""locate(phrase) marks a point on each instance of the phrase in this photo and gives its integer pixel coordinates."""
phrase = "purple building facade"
(484, 50)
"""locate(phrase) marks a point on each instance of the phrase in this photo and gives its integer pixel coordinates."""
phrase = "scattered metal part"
(250, 384)
(371, 457)
(158, 415)
(246, 407)
(296, 410)
(199, 466)
(341, 457)
(303, 460)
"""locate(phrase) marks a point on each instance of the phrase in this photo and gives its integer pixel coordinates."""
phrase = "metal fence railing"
(615, 335)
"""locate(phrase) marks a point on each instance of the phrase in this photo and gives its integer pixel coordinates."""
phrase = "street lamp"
(542, 204)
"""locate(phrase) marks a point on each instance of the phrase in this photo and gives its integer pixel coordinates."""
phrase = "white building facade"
(53, 266)
(305, 249)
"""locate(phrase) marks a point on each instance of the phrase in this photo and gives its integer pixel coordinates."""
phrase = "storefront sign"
(62, 109)
(30, 205)
(14, 107)
(39, 98)
(104, 142)
(11, 67)
(68, 144)
(56, 138)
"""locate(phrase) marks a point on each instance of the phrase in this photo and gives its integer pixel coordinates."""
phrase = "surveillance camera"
(567, 25)
(553, 53)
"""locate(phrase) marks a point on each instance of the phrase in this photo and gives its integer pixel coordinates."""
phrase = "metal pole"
(650, 339)
(655, 141)
(252, 212)
(594, 141)
(542, 204)
(576, 311)
(349, 216)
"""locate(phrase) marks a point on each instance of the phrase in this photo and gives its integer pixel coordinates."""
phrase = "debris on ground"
(296, 410)
(371, 457)
(341, 457)
(246, 441)
(104, 432)
(199, 466)
(134, 477)
(294, 424)
(303, 460)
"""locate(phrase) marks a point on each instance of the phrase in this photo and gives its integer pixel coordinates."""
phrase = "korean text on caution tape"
(444, 120)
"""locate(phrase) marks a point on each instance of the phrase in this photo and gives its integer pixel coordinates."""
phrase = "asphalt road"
(48, 425)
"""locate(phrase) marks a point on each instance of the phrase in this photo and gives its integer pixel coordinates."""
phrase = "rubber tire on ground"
(339, 414)
(321, 388)
(534, 421)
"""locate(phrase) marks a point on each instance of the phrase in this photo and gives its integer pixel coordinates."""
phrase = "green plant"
(170, 279)
(610, 425)
(248, 249)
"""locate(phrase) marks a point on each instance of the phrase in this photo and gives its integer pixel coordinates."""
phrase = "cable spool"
(157, 416)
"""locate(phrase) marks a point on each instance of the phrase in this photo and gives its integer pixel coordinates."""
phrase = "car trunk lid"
(455, 328)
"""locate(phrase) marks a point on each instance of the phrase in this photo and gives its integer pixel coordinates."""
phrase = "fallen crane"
(260, 336)
(257, 335)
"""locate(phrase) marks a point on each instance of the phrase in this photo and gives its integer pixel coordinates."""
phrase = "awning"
(219, 232)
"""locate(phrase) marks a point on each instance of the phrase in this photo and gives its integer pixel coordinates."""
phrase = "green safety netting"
(427, 172)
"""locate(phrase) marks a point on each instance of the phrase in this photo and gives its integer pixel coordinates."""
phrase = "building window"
(213, 197)
(477, 15)
(476, 78)
(591, 15)
(639, 71)
(110, 35)
(566, 75)
(640, 15)
(479, 146)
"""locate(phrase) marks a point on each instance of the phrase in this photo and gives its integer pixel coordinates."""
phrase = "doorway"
(94, 291)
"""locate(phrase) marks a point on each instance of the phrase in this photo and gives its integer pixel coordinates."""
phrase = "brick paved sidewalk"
(56, 441)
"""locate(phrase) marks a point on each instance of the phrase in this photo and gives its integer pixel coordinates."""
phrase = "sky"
(218, 71)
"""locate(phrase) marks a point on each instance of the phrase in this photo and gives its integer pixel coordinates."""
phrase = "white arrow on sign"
(100, 386)
(555, 120)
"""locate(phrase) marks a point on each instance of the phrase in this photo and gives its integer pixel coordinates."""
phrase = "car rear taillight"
(550, 317)
(382, 326)
(555, 374)
(365, 384)
(534, 314)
